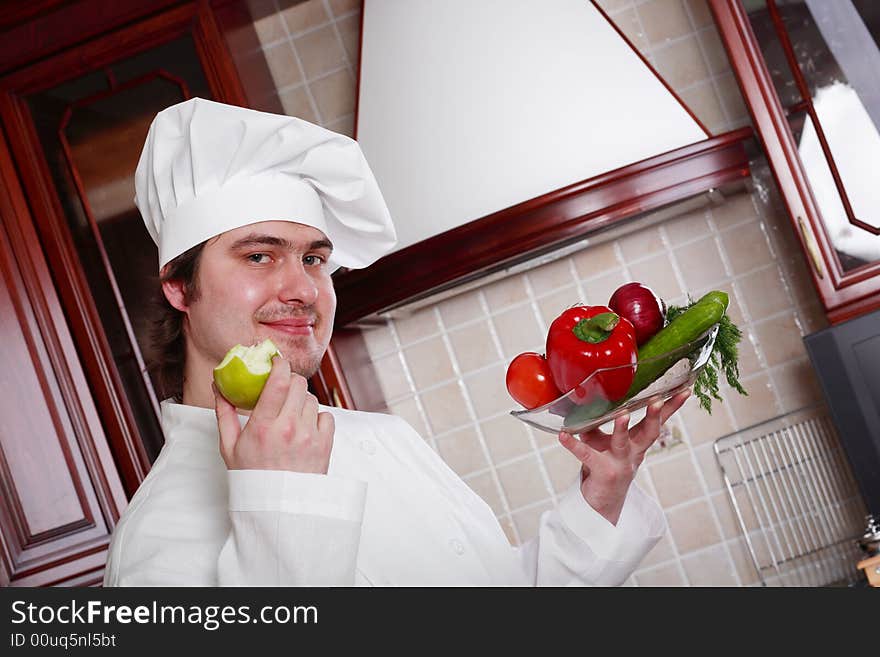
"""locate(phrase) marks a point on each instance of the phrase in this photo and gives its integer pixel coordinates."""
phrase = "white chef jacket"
(389, 512)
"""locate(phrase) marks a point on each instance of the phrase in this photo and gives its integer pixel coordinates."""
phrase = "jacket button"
(368, 447)
(456, 546)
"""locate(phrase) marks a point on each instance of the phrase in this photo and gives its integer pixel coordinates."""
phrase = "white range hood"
(467, 107)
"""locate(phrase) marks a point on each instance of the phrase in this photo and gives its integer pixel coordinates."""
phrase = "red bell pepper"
(584, 339)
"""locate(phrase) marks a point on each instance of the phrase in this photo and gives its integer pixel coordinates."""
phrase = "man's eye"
(314, 260)
(257, 255)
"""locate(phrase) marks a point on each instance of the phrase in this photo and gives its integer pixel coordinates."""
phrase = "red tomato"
(529, 381)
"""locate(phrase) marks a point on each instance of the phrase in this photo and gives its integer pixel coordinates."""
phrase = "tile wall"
(442, 368)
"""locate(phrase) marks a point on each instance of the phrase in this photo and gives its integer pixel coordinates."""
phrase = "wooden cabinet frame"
(843, 294)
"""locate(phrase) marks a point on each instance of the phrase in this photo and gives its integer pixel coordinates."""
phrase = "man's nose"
(295, 284)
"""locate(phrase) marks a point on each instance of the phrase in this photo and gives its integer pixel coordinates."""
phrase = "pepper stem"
(597, 328)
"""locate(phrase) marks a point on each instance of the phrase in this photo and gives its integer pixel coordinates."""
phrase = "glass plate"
(586, 407)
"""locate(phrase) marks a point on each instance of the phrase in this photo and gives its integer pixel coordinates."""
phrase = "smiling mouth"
(304, 327)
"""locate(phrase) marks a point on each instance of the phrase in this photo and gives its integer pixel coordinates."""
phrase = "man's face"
(265, 280)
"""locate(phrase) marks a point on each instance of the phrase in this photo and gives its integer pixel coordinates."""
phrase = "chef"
(251, 213)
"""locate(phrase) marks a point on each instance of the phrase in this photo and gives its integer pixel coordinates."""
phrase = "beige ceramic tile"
(350, 31)
(553, 305)
(747, 359)
(687, 227)
(488, 391)
(703, 427)
(391, 376)
(764, 293)
(709, 468)
(628, 22)
(335, 95)
(378, 340)
(527, 521)
(506, 292)
(664, 20)
(473, 346)
(812, 318)
(445, 407)
(282, 65)
(507, 525)
(408, 410)
(661, 552)
(460, 309)
(702, 100)
(731, 99)
(735, 209)
(506, 438)
(743, 562)
(797, 385)
(699, 12)
(462, 452)
(296, 103)
(268, 26)
(595, 260)
(518, 331)
(600, 289)
(730, 527)
(304, 15)
(692, 526)
(661, 576)
(429, 363)
(798, 276)
(342, 7)
(640, 244)
(746, 247)
(700, 264)
(484, 486)
(758, 406)
(676, 480)
(344, 126)
(610, 6)
(779, 339)
(657, 273)
(716, 56)
(681, 63)
(562, 468)
(522, 482)
(421, 324)
(552, 276)
(712, 567)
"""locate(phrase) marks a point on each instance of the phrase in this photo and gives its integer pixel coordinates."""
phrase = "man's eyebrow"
(255, 239)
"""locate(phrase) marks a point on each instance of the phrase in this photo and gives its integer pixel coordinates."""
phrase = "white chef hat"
(207, 168)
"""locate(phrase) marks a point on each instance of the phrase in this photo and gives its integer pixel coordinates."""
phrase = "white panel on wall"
(466, 108)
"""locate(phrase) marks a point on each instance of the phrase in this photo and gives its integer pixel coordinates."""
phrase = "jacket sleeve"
(576, 546)
(278, 528)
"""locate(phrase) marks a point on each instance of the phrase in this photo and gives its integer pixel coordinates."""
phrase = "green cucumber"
(685, 328)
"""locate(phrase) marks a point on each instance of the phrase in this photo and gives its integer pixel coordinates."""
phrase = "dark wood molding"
(541, 224)
(32, 35)
(843, 294)
(61, 494)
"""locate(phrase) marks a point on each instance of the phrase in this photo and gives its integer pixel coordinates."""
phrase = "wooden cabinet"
(80, 82)
(806, 73)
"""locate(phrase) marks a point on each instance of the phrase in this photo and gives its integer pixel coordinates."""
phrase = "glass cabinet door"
(91, 130)
(810, 73)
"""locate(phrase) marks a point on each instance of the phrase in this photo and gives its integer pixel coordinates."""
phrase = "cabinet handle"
(812, 250)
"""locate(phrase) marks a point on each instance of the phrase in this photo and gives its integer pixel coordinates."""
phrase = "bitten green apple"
(243, 372)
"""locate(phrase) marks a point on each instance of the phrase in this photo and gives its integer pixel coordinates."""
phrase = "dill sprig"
(724, 357)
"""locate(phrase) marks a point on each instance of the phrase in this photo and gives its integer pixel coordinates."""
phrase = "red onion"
(644, 309)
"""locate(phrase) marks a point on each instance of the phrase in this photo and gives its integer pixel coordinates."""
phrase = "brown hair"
(167, 356)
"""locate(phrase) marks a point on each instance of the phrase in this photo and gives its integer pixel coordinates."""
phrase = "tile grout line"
(505, 503)
(302, 69)
(409, 379)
